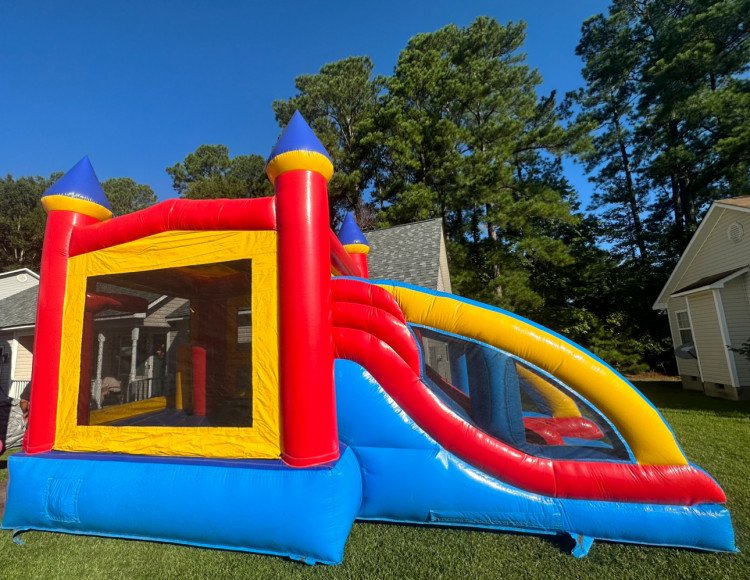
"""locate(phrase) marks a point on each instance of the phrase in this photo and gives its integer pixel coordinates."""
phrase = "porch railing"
(16, 388)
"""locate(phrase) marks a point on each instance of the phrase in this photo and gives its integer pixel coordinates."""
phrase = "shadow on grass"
(560, 540)
(671, 395)
(4, 462)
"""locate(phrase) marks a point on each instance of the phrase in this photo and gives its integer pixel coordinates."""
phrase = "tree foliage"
(666, 102)
(607, 106)
(465, 138)
(126, 196)
(22, 221)
(210, 173)
(340, 103)
(460, 131)
(667, 88)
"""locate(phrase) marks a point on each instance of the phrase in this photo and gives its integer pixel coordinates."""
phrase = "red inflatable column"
(300, 169)
(84, 390)
(198, 355)
(360, 259)
(75, 200)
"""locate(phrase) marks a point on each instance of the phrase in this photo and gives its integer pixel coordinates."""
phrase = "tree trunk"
(630, 192)
(676, 198)
(475, 224)
(491, 230)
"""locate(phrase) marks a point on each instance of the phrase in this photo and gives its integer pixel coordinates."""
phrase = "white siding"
(718, 253)
(158, 318)
(737, 309)
(24, 358)
(684, 366)
(444, 278)
(708, 338)
(244, 328)
(14, 282)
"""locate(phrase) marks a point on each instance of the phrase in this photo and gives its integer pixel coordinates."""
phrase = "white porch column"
(167, 349)
(149, 367)
(97, 390)
(133, 355)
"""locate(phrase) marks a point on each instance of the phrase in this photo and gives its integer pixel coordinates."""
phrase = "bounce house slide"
(223, 373)
(460, 413)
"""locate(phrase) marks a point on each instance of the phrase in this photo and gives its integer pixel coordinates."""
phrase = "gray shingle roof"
(19, 309)
(408, 253)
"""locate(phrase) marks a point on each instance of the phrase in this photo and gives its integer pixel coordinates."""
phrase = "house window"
(684, 328)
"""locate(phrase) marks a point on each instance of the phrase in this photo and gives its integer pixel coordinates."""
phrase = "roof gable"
(407, 253)
(17, 281)
(711, 251)
(19, 272)
(19, 309)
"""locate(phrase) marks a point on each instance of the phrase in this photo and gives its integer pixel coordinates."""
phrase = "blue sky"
(137, 85)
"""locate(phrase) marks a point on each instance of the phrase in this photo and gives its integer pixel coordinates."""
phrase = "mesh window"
(169, 347)
(514, 402)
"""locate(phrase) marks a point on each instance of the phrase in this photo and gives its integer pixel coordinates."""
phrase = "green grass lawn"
(715, 434)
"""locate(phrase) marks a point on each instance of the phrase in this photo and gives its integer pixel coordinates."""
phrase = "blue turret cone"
(298, 136)
(350, 232)
(80, 183)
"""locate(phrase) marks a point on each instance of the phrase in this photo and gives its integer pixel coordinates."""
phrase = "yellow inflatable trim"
(357, 248)
(648, 436)
(84, 206)
(559, 403)
(175, 249)
(291, 160)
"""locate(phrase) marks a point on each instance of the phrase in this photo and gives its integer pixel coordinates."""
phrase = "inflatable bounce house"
(223, 373)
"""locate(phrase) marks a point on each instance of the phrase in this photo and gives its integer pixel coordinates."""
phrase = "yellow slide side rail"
(648, 436)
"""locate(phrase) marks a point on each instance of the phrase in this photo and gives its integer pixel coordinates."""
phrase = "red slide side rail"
(360, 292)
(604, 481)
(176, 214)
(380, 324)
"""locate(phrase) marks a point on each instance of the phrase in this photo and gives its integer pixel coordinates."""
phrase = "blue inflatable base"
(254, 506)
(389, 470)
(410, 478)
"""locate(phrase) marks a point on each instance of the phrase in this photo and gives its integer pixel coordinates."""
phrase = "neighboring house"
(413, 253)
(134, 353)
(707, 298)
(18, 292)
(124, 345)
(16, 281)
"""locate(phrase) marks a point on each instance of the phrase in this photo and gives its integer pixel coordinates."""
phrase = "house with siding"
(707, 299)
(124, 344)
(18, 294)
